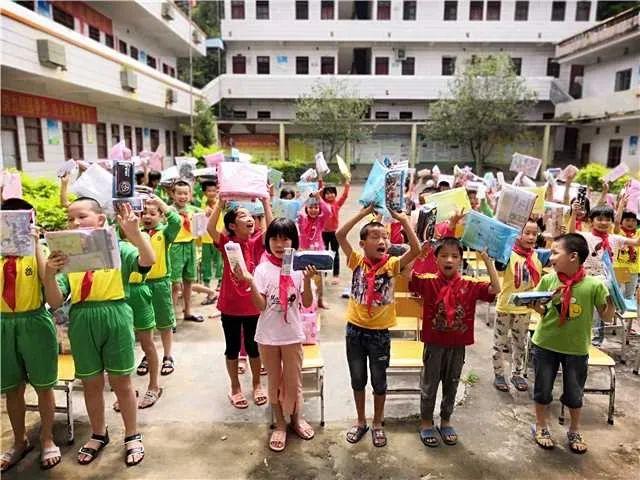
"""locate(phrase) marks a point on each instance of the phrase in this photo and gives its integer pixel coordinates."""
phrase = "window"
(239, 64)
(30, 5)
(409, 10)
(167, 142)
(302, 10)
(450, 10)
(264, 114)
(63, 18)
(327, 10)
(168, 70)
(174, 137)
(517, 65)
(133, 51)
(239, 114)
(553, 68)
(122, 46)
(154, 138)
(108, 40)
(547, 116)
(302, 65)
(262, 10)
(101, 140)
(493, 10)
(139, 142)
(476, 10)
(583, 9)
(558, 10)
(585, 151)
(151, 61)
(237, 9)
(115, 133)
(186, 143)
(382, 115)
(409, 66)
(623, 80)
(94, 33)
(327, 66)
(522, 12)
(615, 153)
(406, 115)
(263, 65)
(448, 66)
(384, 10)
(10, 149)
(382, 66)
(72, 138)
(127, 136)
(33, 137)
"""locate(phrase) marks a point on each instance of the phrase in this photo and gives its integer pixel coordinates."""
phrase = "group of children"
(260, 310)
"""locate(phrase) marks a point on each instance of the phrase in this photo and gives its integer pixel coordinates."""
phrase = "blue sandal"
(429, 438)
(446, 433)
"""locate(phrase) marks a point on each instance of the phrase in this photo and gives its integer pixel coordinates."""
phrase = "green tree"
(485, 106)
(609, 9)
(332, 113)
(203, 124)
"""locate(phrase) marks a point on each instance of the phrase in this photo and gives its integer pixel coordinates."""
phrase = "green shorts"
(101, 335)
(140, 302)
(29, 350)
(162, 303)
(183, 261)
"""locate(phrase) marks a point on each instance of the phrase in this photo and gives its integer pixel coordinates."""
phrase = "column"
(413, 155)
(216, 134)
(281, 142)
(545, 147)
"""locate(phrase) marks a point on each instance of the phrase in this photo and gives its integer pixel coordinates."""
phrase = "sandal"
(355, 434)
(448, 434)
(11, 457)
(576, 443)
(168, 366)
(520, 383)
(143, 368)
(151, 398)
(116, 404)
(501, 384)
(136, 437)
(103, 440)
(303, 430)
(209, 301)
(239, 401)
(429, 438)
(278, 440)
(542, 437)
(259, 397)
(194, 318)
(378, 437)
(50, 453)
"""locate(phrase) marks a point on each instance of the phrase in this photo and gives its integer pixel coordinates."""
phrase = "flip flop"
(428, 437)
(13, 459)
(143, 368)
(278, 440)
(356, 432)
(49, 454)
(194, 318)
(445, 433)
(168, 366)
(520, 384)
(152, 396)
(501, 384)
(378, 437)
(238, 400)
(303, 430)
(259, 397)
(209, 301)
(263, 371)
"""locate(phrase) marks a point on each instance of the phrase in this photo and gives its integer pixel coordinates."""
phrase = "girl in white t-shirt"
(279, 332)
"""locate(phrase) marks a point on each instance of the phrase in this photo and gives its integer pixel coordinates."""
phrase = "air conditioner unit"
(51, 54)
(128, 80)
(196, 37)
(401, 54)
(167, 11)
(171, 96)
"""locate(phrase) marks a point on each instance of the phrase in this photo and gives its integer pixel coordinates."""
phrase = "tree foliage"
(332, 113)
(485, 106)
(203, 124)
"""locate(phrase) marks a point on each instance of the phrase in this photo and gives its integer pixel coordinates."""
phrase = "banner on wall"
(34, 106)
(53, 132)
(633, 144)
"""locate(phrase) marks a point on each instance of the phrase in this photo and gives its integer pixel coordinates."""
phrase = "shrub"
(592, 176)
(44, 195)
(199, 151)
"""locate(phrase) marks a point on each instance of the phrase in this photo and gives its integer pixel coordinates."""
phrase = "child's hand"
(128, 221)
(399, 216)
(55, 262)
(242, 274)
(310, 272)
(576, 206)
(605, 188)
(35, 233)
(484, 256)
(64, 180)
(367, 210)
(456, 217)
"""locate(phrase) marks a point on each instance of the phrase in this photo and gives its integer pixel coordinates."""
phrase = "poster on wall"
(146, 132)
(633, 144)
(91, 135)
(42, 6)
(53, 131)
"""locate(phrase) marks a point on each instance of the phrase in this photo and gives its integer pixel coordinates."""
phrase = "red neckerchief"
(151, 232)
(370, 276)
(447, 295)
(284, 283)
(567, 283)
(10, 272)
(630, 233)
(578, 225)
(604, 236)
(186, 222)
(531, 265)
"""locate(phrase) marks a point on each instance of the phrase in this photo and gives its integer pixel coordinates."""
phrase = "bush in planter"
(44, 195)
(592, 176)
(199, 151)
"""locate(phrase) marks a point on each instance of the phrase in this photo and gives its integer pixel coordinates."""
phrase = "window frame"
(154, 139)
(101, 140)
(260, 9)
(516, 62)
(63, 18)
(473, 7)
(235, 62)
(91, 31)
(327, 7)
(304, 4)
(305, 60)
(381, 115)
(623, 76)
(449, 6)
(387, 10)
(114, 131)
(133, 50)
(491, 11)
(238, 11)
(553, 68)
(260, 61)
(447, 61)
(555, 17)
(39, 144)
(263, 114)
(67, 129)
(404, 114)
(139, 136)
(580, 10)
(324, 62)
(152, 62)
(409, 10)
(381, 66)
(127, 135)
(521, 7)
(408, 66)
(109, 40)
(123, 47)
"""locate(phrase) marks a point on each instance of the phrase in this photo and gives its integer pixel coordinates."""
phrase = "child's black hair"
(449, 242)
(281, 227)
(208, 183)
(586, 207)
(628, 214)
(229, 218)
(139, 178)
(574, 243)
(329, 189)
(444, 183)
(181, 183)
(602, 211)
(15, 204)
(364, 231)
(95, 205)
(154, 176)
(287, 193)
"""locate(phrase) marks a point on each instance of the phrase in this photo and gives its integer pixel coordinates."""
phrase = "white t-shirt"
(272, 329)
(593, 265)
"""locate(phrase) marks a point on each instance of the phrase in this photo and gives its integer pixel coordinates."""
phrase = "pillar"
(546, 139)
(281, 142)
(413, 155)
(216, 134)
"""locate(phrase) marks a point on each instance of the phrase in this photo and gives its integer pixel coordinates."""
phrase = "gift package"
(15, 233)
(527, 299)
(321, 259)
(286, 208)
(449, 202)
(394, 190)
(485, 233)
(87, 248)
(234, 256)
(515, 206)
(321, 164)
(242, 180)
(426, 225)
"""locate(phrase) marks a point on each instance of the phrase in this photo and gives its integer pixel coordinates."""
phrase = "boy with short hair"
(370, 313)
(101, 324)
(447, 328)
(210, 254)
(29, 350)
(183, 250)
(563, 335)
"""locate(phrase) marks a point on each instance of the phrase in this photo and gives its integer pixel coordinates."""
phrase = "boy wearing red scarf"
(564, 333)
(522, 273)
(370, 313)
(449, 307)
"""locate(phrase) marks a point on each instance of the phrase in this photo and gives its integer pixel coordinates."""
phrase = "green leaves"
(203, 124)
(44, 195)
(592, 176)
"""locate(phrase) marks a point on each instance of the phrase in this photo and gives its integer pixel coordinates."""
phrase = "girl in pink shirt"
(329, 197)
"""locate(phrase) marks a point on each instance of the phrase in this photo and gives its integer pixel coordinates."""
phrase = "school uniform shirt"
(593, 264)
(332, 223)
(516, 279)
(311, 228)
(574, 336)
(435, 329)
(628, 257)
(273, 328)
(382, 314)
(235, 295)
(161, 239)
(25, 290)
(206, 238)
(185, 234)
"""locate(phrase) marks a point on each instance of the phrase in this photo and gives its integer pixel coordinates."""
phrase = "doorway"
(361, 61)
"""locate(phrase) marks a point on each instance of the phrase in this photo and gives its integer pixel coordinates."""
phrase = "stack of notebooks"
(87, 249)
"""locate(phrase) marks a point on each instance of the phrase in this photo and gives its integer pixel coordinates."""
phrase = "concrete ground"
(193, 432)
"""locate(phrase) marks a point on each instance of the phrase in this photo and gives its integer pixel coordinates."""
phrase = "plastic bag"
(485, 233)
(242, 180)
(286, 208)
(94, 183)
(373, 190)
(321, 164)
(120, 152)
(394, 190)
(11, 185)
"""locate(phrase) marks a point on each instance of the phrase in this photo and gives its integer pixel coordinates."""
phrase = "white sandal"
(48, 454)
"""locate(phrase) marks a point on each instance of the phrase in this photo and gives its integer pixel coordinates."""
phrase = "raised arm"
(268, 213)
(130, 225)
(64, 186)
(618, 220)
(345, 193)
(213, 220)
(343, 231)
(493, 273)
(52, 292)
(414, 244)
